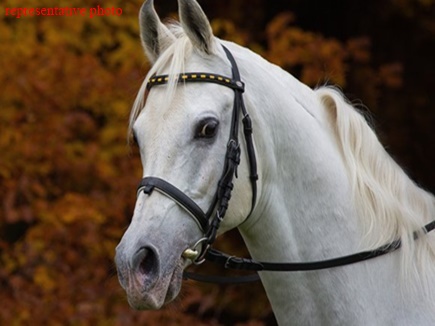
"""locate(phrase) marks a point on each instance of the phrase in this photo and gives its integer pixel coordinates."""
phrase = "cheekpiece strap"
(198, 77)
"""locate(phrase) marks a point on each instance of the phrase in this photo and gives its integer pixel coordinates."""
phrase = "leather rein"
(209, 222)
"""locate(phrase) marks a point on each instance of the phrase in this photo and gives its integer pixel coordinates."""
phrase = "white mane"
(390, 205)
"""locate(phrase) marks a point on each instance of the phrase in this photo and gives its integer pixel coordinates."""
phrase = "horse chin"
(164, 290)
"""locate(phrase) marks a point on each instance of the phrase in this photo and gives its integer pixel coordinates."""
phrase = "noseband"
(209, 222)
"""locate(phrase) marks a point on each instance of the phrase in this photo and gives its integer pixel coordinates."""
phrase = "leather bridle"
(209, 222)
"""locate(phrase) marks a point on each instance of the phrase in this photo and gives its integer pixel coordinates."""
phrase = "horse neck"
(305, 191)
(305, 210)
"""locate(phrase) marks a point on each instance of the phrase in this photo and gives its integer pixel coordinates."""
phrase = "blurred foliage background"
(68, 178)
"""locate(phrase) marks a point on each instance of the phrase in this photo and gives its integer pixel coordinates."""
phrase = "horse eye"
(207, 128)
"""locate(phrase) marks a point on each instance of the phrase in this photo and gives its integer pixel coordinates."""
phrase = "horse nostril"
(146, 266)
(145, 261)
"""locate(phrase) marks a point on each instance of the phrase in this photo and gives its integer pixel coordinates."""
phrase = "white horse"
(326, 187)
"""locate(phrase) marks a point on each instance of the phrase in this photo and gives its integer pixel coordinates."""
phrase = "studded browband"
(197, 77)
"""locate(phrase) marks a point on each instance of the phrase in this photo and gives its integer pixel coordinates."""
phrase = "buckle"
(228, 261)
(243, 264)
(192, 253)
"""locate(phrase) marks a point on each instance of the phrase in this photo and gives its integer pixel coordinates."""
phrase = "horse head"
(182, 132)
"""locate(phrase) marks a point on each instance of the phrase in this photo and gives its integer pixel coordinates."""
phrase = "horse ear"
(155, 36)
(196, 25)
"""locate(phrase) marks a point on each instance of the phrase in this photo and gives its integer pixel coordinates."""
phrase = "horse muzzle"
(149, 284)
